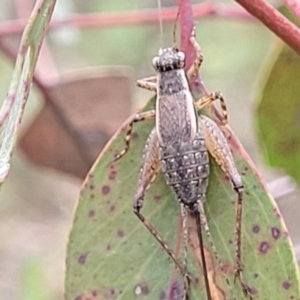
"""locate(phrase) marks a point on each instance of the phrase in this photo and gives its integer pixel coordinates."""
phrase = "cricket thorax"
(186, 169)
(176, 119)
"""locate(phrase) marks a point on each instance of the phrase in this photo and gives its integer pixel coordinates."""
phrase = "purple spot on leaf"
(162, 295)
(141, 289)
(92, 186)
(255, 228)
(286, 285)
(91, 213)
(255, 275)
(112, 208)
(135, 136)
(105, 189)
(145, 289)
(82, 258)
(110, 293)
(95, 293)
(108, 247)
(276, 233)
(157, 197)
(225, 268)
(121, 233)
(112, 175)
(252, 290)
(264, 247)
(175, 291)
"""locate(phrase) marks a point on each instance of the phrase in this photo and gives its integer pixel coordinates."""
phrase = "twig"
(149, 16)
(274, 20)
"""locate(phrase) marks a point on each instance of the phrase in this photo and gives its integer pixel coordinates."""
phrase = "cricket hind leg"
(197, 213)
(218, 147)
(161, 241)
(147, 115)
(149, 169)
(211, 242)
(238, 265)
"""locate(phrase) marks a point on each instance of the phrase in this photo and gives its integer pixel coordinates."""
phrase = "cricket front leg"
(147, 115)
(148, 83)
(218, 147)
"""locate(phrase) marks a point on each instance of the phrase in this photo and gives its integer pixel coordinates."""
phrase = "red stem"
(274, 20)
(12, 27)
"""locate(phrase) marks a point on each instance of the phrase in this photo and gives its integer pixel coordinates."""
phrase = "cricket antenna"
(201, 246)
(160, 23)
(175, 24)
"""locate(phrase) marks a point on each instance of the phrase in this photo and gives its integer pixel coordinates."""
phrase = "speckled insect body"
(178, 146)
(186, 169)
(182, 152)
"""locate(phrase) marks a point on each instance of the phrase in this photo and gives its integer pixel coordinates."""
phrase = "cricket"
(179, 147)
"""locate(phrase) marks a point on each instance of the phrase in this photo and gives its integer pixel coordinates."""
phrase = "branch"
(149, 16)
(274, 20)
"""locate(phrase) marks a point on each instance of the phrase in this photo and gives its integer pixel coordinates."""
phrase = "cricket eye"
(155, 62)
(181, 58)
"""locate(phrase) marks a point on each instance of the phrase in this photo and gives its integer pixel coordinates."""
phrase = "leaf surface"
(112, 256)
(278, 113)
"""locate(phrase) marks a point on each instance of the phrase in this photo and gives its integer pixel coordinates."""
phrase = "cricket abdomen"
(186, 169)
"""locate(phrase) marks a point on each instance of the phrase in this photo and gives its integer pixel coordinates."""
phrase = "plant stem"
(274, 20)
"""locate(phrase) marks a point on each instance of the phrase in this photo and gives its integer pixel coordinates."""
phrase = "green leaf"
(278, 113)
(112, 256)
(15, 101)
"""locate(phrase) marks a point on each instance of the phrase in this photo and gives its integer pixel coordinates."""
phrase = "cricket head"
(168, 59)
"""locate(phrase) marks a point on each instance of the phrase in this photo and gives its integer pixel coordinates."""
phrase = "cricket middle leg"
(207, 100)
(149, 84)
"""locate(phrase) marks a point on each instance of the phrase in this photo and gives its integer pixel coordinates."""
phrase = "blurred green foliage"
(278, 113)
